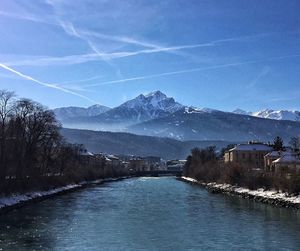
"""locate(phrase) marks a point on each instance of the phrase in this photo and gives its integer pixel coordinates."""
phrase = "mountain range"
(272, 114)
(142, 108)
(155, 114)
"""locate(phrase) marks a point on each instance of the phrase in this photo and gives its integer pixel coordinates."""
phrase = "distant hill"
(131, 144)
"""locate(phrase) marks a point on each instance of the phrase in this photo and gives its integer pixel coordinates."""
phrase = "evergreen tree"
(278, 144)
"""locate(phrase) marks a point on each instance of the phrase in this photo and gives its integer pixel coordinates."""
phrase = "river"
(149, 214)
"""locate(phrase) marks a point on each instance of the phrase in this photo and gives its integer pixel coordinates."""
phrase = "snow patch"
(259, 193)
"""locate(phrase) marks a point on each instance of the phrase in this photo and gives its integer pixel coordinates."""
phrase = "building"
(251, 154)
(137, 165)
(153, 163)
(287, 163)
(93, 160)
(175, 165)
(270, 157)
(114, 161)
(275, 155)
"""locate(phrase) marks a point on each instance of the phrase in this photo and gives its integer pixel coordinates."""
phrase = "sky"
(221, 54)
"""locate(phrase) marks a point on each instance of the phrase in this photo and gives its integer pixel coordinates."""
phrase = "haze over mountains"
(156, 114)
(68, 113)
(139, 145)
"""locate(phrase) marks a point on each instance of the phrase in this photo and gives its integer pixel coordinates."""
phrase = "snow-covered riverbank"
(17, 200)
(266, 196)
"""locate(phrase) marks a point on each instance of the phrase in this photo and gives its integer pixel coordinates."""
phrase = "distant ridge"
(131, 144)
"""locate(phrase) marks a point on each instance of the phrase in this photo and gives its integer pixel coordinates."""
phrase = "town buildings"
(251, 154)
(263, 157)
(110, 163)
(175, 165)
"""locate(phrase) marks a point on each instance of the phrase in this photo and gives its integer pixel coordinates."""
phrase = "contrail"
(53, 86)
(193, 70)
(81, 80)
(170, 73)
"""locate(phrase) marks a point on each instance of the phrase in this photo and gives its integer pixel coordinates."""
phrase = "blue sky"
(206, 53)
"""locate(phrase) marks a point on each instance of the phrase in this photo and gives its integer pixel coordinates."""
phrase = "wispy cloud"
(84, 80)
(84, 58)
(264, 72)
(122, 39)
(194, 70)
(69, 28)
(49, 85)
(97, 55)
(9, 76)
(292, 96)
(28, 17)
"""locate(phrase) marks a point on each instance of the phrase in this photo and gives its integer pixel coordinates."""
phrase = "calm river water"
(149, 214)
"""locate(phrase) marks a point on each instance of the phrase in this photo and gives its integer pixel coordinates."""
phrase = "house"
(137, 165)
(92, 160)
(275, 155)
(270, 157)
(87, 158)
(251, 154)
(114, 161)
(288, 163)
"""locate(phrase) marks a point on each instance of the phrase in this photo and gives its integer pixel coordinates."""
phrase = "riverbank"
(260, 195)
(19, 200)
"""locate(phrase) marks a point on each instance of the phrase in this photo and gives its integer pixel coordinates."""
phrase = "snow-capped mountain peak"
(154, 101)
(279, 115)
(241, 112)
(272, 114)
(156, 94)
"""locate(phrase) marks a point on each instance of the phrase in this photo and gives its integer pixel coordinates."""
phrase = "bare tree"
(33, 154)
(295, 143)
(6, 104)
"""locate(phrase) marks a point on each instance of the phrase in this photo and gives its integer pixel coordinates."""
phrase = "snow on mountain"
(279, 115)
(65, 113)
(198, 124)
(150, 106)
(193, 109)
(95, 110)
(159, 115)
(241, 112)
(272, 114)
(152, 102)
(142, 108)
